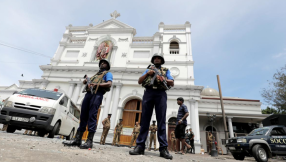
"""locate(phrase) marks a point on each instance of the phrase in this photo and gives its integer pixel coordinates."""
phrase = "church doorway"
(131, 114)
(207, 130)
(171, 127)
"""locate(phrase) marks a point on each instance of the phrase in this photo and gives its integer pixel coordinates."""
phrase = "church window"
(174, 47)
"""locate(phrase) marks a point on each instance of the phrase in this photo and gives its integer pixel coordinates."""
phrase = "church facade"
(82, 46)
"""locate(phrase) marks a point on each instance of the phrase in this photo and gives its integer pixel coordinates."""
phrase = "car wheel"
(69, 137)
(41, 133)
(55, 130)
(259, 153)
(11, 129)
(237, 156)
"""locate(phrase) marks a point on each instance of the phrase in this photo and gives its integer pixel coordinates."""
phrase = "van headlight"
(9, 104)
(241, 140)
(48, 110)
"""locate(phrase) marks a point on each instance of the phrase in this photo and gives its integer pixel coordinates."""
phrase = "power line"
(24, 50)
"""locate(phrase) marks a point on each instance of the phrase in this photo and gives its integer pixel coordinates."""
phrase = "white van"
(41, 110)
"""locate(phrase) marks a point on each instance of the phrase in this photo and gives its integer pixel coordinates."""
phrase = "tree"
(275, 93)
(269, 110)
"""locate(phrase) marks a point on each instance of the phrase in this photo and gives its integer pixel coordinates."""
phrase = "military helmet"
(158, 55)
(106, 62)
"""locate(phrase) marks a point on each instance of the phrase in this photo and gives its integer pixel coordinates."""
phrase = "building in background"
(82, 46)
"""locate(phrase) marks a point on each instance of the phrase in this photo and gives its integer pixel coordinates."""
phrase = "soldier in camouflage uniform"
(153, 130)
(117, 133)
(154, 96)
(135, 134)
(106, 127)
(101, 82)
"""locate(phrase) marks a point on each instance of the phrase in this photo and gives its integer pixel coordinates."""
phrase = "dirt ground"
(24, 148)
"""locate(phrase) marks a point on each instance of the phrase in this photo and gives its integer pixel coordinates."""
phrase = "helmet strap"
(158, 66)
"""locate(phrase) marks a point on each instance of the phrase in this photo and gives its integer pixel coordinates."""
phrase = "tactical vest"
(98, 78)
(157, 83)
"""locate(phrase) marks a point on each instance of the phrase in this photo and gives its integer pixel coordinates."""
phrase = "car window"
(71, 109)
(278, 131)
(75, 112)
(259, 131)
(65, 99)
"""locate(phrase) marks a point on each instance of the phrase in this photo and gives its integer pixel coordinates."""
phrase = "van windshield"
(41, 93)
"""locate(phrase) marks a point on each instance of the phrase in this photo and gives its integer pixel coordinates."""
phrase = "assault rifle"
(157, 73)
(88, 81)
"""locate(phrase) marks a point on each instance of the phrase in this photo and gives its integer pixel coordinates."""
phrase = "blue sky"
(242, 41)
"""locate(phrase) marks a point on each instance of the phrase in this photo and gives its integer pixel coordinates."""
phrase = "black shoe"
(137, 151)
(165, 153)
(88, 142)
(76, 141)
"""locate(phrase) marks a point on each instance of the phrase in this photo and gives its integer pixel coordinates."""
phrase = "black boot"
(76, 141)
(137, 151)
(165, 153)
(88, 142)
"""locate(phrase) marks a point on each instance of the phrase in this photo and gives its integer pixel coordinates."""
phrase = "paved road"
(24, 148)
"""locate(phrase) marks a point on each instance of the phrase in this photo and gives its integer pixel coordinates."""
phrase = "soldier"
(135, 134)
(210, 140)
(181, 123)
(117, 133)
(154, 95)
(106, 127)
(173, 141)
(153, 129)
(101, 82)
(192, 136)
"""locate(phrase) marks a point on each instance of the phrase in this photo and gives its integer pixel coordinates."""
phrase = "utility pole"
(222, 108)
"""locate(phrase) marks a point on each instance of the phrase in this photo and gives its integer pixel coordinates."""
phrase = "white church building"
(129, 56)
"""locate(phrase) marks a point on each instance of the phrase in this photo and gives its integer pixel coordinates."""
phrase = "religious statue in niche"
(104, 50)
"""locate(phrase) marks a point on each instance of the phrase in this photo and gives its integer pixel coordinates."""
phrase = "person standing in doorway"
(135, 133)
(154, 95)
(181, 123)
(117, 133)
(106, 127)
(173, 141)
(101, 82)
(153, 130)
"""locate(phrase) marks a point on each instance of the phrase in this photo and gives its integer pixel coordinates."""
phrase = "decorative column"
(191, 117)
(106, 106)
(230, 128)
(71, 89)
(114, 109)
(196, 130)
(76, 92)
(260, 125)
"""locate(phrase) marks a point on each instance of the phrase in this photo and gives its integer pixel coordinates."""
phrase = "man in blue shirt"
(181, 123)
(101, 83)
(154, 95)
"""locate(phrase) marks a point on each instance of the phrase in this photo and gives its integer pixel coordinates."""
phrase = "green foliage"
(275, 93)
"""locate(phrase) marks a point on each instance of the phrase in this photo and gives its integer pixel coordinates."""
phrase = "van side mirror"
(61, 102)
(15, 92)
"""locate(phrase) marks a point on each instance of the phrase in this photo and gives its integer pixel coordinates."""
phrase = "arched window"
(174, 47)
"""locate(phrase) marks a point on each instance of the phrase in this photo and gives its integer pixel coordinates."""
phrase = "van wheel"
(69, 137)
(11, 129)
(55, 130)
(259, 153)
(41, 133)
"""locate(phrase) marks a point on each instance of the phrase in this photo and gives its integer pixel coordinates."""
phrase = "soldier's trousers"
(5, 126)
(89, 109)
(134, 137)
(193, 146)
(116, 138)
(104, 134)
(152, 139)
(151, 98)
(174, 144)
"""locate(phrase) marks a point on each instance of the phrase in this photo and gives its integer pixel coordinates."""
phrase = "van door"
(63, 116)
(71, 116)
(278, 140)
